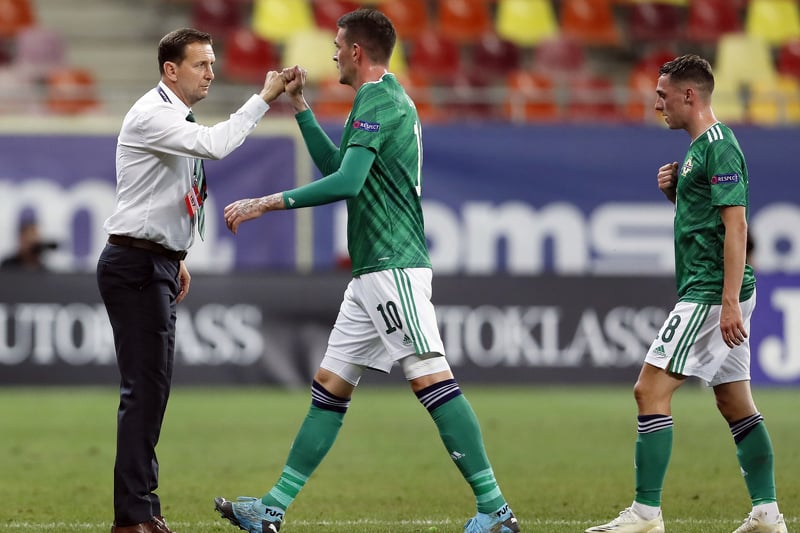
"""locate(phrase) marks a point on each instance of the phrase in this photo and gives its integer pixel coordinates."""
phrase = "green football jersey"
(713, 175)
(385, 226)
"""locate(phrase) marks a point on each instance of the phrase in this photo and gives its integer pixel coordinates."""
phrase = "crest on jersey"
(687, 167)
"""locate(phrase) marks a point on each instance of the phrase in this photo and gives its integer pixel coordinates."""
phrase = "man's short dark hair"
(372, 30)
(690, 67)
(173, 45)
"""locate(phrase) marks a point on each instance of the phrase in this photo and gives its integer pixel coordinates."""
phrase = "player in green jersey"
(706, 335)
(386, 316)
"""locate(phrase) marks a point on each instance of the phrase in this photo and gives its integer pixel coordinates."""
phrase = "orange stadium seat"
(217, 17)
(463, 20)
(327, 12)
(334, 100)
(71, 90)
(590, 22)
(16, 15)
(247, 57)
(531, 96)
(435, 56)
(655, 22)
(526, 22)
(708, 20)
(410, 17)
(418, 88)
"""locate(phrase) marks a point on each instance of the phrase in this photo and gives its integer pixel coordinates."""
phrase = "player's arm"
(323, 151)
(346, 182)
(735, 247)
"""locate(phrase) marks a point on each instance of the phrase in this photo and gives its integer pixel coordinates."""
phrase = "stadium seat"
(313, 49)
(16, 15)
(247, 57)
(435, 56)
(655, 23)
(463, 20)
(334, 100)
(39, 51)
(590, 22)
(410, 17)
(279, 20)
(775, 21)
(71, 90)
(640, 96)
(418, 88)
(708, 20)
(742, 59)
(327, 12)
(495, 57)
(591, 98)
(471, 97)
(775, 104)
(217, 17)
(398, 64)
(531, 97)
(788, 62)
(526, 22)
(560, 57)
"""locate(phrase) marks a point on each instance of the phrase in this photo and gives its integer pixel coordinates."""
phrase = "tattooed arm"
(251, 208)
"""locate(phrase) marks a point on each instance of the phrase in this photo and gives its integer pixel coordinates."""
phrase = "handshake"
(290, 80)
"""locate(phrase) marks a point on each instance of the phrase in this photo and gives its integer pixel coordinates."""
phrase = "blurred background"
(551, 244)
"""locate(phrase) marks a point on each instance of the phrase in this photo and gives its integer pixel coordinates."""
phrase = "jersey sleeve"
(369, 120)
(727, 174)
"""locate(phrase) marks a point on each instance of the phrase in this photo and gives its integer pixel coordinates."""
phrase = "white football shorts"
(690, 344)
(386, 316)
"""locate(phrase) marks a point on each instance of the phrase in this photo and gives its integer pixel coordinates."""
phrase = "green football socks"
(313, 441)
(461, 434)
(652, 455)
(754, 452)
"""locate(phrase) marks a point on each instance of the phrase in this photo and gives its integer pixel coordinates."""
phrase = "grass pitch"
(563, 457)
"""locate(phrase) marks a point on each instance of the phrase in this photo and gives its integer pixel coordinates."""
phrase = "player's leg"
(675, 354)
(433, 383)
(353, 339)
(753, 446)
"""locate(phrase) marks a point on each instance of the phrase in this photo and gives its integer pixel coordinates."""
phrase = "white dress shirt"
(156, 149)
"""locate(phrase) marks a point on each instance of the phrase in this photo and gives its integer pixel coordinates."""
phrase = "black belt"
(150, 246)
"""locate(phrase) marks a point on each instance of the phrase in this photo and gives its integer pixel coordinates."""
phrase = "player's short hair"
(372, 30)
(172, 46)
(690, 67)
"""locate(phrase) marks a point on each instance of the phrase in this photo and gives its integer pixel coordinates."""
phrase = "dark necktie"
(199, 185)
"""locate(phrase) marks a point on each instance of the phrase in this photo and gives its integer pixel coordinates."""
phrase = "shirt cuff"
(255, 107)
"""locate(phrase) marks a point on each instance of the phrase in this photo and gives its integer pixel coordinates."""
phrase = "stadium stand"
(453, 52)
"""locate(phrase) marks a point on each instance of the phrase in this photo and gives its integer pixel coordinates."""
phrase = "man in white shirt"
(141, 273)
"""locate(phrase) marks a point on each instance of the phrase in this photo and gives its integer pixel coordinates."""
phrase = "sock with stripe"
(461, 434)
(653, 452)
(313, 441)
(754, 452)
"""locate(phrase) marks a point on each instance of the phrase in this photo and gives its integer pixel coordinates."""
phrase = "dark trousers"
(139, 289)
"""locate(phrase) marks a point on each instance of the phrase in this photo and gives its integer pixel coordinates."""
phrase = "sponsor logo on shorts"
(372, 127)
(725, 178)
(659, 351)
(406, 340)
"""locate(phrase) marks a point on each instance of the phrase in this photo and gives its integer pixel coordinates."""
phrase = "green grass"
(563, 457)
